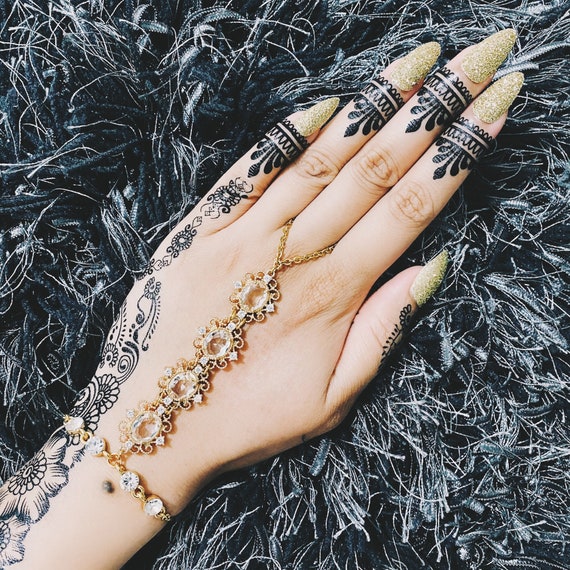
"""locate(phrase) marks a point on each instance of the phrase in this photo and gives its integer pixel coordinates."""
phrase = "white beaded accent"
(153, 506)
(129, 481)
(74, 425)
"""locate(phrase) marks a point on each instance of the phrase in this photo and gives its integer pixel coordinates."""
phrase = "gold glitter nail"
(496, 99)
(486, 57)
(411, 69)
(316, 116)
(429, 278)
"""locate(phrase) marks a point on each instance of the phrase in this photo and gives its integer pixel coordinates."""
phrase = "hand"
(303, 366)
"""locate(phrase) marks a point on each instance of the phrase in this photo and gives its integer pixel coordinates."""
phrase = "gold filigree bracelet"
(146, 428)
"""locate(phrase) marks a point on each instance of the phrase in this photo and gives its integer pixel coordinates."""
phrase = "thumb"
(379, 326)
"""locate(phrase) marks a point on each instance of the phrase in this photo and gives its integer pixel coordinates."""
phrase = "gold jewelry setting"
(146, 428)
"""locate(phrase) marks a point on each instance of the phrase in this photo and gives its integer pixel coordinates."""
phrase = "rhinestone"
(237, 284)
(167, 401)
(160, 410)
(168, 371)
(241, 314)
(198, 369)
(253, 297)
(183, 385)
(201, 330)
(130, 414)
(231, 326)
(128, 444)
(270, 308)
(217, 343)
(95, 445)
(74, 425)
(145, 427)
(204, 360)
(233, 355)
(198, 398)
(129, 481)
(153, 506)
(267, 278)
(160, 440)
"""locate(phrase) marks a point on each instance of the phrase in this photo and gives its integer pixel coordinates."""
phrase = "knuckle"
(317, 164)
(412, 204)
(377, 168)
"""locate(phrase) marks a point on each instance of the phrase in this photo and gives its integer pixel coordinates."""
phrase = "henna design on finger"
(180, 242)
(404, 321)
(281, 145)
(374, 107)
(459, 147)
(442, 98)
(224, 198)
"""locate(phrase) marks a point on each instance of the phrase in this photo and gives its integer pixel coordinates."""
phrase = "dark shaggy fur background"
(115, 117)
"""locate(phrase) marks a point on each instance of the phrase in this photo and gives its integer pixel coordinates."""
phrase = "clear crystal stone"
(198, 369)
(198, 398)
(253, 297)
(128, 444)
(167, 401)
(153, 506)
(231, 326)
(168, 371)
(241, 314)
(145, 427)
(182, 385)
(204, 360)
(160, 440)
(237, 284)
(74, 425)
(160, 410)
(129, 481)
(267, 278)
(270, 308)
(201, 330)
(233, 355)
(217, 343)
(130, 414)
(95, 445)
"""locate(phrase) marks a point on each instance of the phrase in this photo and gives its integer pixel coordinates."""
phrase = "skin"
(303, 367)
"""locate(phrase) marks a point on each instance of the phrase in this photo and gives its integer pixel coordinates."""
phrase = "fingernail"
(485, 58)
(429, 278)
(411, 69)
(495, 101)
(316, 116)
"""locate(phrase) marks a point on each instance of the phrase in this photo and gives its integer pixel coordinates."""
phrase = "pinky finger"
(239, 188)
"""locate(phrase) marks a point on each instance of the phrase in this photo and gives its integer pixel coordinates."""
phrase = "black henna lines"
(374, 107)
(281, 145)
(459, 147)
(180, 242)
(441, 99)
(397, 333)
(24, 498)
(224, 198)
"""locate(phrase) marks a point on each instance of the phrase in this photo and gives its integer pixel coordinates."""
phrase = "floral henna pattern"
(224, 198)
(441, 99)
(180, 242)
(281, 145)
(12, 533)
(374, 107)
(397, 333)
(459, 147)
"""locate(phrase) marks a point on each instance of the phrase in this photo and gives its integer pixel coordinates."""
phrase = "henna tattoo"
(281, 145)
(224, 198)
(459, 147)
(374, 107)
(441, 99)
(180, 242)
(397, 333)
(25, 497)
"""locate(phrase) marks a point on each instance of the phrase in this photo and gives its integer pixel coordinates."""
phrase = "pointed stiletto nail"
(316, 116)
(495, 101)
(412, 68)
(485, 58)
(429, 278)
